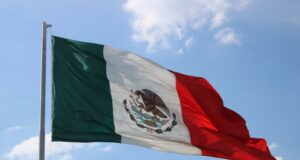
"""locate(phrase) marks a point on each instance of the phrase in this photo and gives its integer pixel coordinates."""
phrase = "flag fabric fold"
(103, 94)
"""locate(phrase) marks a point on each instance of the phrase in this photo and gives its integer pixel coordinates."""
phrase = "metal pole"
(43, 90)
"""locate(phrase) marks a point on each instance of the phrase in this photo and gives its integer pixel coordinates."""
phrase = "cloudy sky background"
(248, 49)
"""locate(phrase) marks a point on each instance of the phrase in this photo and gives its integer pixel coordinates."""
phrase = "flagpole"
(43, 90)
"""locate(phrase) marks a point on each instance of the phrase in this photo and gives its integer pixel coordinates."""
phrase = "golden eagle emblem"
(149, 111)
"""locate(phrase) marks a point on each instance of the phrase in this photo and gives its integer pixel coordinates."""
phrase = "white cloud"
(106, 148)
(278, 158)
(14, 128)
(65, 157)
(241, 4)
(28, 149)
(273, 145)
(158, 22)
(180, 51)
(227, 36)
(188, 43)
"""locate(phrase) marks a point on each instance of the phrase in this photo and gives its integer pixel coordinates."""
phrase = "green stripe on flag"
(82, 103)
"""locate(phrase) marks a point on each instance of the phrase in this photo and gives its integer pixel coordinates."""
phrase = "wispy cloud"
(159, 22)
(65, 157)
(279, 158)
(105, 148)
(227, 36)
(188, 43)
(28, 149)
(14, 128)
(273, 145)
(179, 51)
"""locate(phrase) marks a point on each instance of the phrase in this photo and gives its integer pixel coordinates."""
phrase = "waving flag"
(103, 94)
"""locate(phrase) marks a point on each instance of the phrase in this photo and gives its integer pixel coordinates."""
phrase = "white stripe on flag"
(126, 72)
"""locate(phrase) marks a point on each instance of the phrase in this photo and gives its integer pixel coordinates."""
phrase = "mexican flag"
(103, 94)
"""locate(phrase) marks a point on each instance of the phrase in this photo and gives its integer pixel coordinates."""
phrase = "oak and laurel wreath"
(151, 123)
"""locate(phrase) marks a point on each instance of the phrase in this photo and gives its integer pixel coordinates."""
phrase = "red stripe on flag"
(215, 129)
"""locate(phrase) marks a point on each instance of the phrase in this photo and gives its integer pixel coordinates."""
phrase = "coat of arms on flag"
(149, 111)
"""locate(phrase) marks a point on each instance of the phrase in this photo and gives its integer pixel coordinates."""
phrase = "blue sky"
(249, 51)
